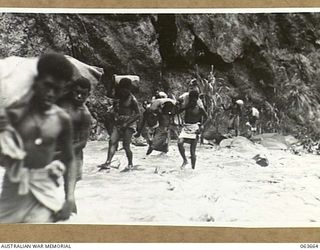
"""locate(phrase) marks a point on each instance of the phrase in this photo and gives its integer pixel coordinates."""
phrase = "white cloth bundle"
(17, 76)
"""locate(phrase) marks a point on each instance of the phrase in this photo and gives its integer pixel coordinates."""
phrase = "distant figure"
(126, 113)
(253, 116)
(74, 104)
(194, 117)
(30, 188)
(236, 112)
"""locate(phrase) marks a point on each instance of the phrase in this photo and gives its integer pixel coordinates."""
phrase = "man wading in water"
(74, 104)
(194, 116)
(126, 113)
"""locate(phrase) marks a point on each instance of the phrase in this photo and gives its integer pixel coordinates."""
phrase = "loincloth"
(160, 140)
(122, 120)
(32, 195)
(189, 131)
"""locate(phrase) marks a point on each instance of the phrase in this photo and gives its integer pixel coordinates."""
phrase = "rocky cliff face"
(270, 59)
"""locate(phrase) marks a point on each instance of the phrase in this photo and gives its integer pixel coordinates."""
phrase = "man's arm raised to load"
(67, 157)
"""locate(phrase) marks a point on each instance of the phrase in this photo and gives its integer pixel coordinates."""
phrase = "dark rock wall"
(273, 59)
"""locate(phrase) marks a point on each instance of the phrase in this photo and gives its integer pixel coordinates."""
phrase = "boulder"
(240, 144)
(291, 140)
(261, 160)
(271, 143)
(275, 141)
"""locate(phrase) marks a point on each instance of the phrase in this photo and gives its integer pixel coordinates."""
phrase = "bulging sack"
(17, 76)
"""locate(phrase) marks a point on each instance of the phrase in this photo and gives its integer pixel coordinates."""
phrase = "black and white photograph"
(160, 117)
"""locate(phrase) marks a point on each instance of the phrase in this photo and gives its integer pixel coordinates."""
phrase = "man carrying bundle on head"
(194, 117)
(157, 117)
(32, 191)
(253, 117)
(236, 112)
(126, 113)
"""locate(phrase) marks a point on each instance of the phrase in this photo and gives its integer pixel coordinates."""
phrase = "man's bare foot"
(184, 164)
(127, 169)
(149, 151)
(104, 166)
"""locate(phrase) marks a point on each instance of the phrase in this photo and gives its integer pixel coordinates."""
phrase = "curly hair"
(56, 65)
(193, 94)
(83, 82)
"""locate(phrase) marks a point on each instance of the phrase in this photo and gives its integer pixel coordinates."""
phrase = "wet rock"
(261, 160)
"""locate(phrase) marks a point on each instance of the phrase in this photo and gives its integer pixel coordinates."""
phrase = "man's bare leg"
(127, 136)
(150, 149)
(113, 145)
(237, 125)
(193, 147)
(182, 152)
(231, 126)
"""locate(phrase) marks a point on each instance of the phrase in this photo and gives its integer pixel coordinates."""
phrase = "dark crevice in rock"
(260, 72)
(167, 34)
(204, 56)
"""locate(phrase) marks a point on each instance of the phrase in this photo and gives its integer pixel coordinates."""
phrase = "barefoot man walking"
(194, 116)
(126, 114)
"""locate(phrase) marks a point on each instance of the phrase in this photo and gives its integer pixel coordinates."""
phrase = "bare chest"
(40, 129)
(125, 107)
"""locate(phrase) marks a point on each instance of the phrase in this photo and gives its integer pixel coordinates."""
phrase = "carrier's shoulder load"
(134, 78)
(158, 103)
(255, 112)
(239, 102)
(162, 94)
(135, 81)
(92, 73)
(17, 76)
